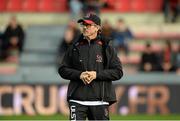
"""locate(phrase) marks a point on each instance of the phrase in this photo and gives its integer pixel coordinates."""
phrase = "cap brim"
(85, 21)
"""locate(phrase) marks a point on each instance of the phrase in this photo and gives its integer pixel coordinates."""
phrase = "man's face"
(13, 22)
(89, 29)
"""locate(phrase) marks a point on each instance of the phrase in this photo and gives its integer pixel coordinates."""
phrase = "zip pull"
(82, 65)
(89, 42)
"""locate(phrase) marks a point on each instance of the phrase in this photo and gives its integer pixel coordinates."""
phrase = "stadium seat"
(13, 5)
(8, 68)
(46, 6)
(111, 3)
(30, 58)
(2, 5)
(61, 5)
(137, 47)
(138, 5)
(154, 5)
(122, 5)
(29, 5)
(132, 59)
(52, 5)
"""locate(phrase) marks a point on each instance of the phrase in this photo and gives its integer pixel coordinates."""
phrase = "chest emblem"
(98, 58)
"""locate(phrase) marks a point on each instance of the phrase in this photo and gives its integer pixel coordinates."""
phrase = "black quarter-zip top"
(92, 60)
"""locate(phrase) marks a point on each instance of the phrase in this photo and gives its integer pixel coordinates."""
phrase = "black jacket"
(97, 56)
(17, 32)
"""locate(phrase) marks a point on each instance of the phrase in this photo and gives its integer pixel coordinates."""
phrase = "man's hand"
(14, 41)
(92, 76)
(84, 77)
(88, 76)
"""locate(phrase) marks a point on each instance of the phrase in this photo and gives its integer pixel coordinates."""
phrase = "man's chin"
(85, 34)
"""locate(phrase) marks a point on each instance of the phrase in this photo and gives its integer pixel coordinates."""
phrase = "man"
(91, 64)
(122, 36)
(13, 37)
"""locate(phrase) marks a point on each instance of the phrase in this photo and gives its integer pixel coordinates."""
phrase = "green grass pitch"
(113, 117)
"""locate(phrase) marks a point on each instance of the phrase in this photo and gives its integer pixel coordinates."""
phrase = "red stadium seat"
(13, 5)
(3, 5)
(122, 5)
(154, 5)
(61, 5)
(111, 3)
(138, 5)
(29, 5)
(46, 5)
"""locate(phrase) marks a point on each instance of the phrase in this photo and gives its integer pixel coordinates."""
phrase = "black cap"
(90, 19)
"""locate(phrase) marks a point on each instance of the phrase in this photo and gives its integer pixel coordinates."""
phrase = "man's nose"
(85, 27)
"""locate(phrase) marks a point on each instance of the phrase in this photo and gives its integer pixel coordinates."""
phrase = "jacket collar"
(104, 40)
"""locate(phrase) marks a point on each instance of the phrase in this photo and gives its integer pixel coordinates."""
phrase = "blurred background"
(34, 35)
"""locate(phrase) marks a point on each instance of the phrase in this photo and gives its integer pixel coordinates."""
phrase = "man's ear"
(99, 27)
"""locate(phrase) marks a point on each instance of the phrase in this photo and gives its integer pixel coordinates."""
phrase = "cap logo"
(88, 15)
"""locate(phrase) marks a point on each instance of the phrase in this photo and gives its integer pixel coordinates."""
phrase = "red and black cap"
(90, 19)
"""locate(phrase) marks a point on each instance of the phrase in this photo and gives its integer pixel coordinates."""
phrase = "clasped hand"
(88, 76)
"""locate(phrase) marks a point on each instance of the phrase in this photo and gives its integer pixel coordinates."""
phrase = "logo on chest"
(99, 58)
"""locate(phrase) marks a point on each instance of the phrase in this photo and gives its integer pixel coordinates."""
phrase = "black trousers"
(81, 112)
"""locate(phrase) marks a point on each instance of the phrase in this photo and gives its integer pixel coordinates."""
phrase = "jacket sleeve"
(65, 70)
(21, 38)
(114, 72)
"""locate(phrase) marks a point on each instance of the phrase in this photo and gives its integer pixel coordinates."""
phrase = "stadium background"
(31, 88)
